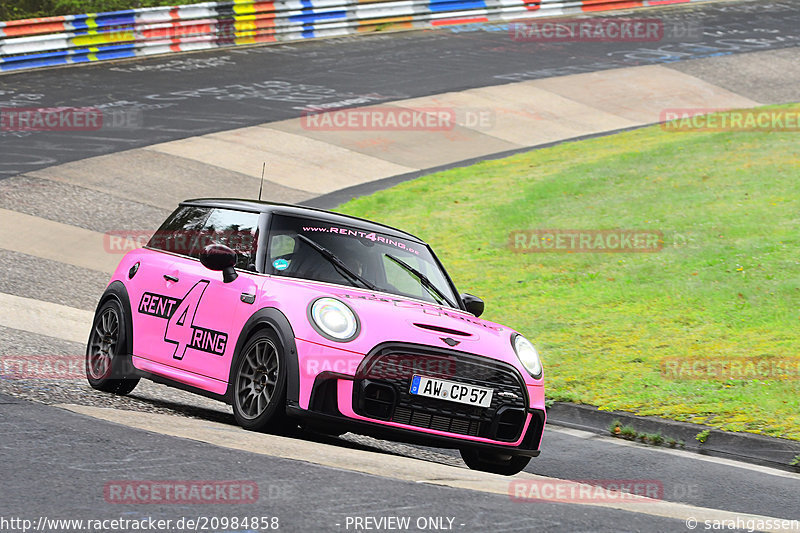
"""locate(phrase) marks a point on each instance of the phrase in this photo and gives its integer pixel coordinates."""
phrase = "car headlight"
(528, 356)
(333, 319)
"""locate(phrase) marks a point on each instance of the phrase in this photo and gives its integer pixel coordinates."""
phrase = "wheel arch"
(272, 319)
(117, 291)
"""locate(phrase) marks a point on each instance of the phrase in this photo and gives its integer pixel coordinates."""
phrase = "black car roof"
(300, 211)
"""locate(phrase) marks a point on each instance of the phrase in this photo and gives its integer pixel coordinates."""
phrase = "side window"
(281, 245)
(280, 253)
(178, 234)
(238, 230)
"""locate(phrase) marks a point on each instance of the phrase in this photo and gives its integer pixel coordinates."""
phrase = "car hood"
(391, 318)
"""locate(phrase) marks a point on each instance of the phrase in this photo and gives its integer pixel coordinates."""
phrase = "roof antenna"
(263, 168)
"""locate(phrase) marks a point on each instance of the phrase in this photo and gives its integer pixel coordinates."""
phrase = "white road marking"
(64, 243)
(45, 318)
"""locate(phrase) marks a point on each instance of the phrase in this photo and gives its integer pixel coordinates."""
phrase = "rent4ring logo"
(179, 312)
(157, 305)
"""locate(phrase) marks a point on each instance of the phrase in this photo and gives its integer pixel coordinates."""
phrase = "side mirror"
(473, 304)
(220, 257)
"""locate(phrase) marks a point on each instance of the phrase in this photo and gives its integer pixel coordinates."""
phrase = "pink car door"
(156, 290)
(199, 337)
(155, 293)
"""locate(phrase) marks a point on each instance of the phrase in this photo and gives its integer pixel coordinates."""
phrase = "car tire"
(259, 384)
(505, 465)
(107, 363)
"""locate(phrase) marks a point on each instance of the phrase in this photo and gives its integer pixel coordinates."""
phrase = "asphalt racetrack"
(194, 94)
(62, 445)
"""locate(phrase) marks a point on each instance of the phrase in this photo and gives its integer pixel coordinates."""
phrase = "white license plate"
(452, 391)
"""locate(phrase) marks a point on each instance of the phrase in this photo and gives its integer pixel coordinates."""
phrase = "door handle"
(173, 279)
(248, 298)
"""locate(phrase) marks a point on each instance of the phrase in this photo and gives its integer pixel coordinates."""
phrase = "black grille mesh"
(395, 365)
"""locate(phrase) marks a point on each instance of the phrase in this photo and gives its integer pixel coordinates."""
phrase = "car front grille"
(383, 381)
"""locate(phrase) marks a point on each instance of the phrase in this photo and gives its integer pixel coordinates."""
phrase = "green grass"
(726, 284)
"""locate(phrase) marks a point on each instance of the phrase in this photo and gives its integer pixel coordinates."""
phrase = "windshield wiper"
(336, 262)
(423, 279)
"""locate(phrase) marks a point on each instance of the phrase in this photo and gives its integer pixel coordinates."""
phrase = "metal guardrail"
(34, 43)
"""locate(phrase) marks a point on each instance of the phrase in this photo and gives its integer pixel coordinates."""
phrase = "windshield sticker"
(280, 264)
(374, 237)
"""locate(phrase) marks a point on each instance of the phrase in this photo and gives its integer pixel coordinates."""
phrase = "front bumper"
(371, 397)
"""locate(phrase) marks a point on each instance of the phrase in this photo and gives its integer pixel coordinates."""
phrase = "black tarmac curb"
(334, 199)
(746, 447)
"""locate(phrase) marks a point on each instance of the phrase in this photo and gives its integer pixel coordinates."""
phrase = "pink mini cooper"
(295, 315)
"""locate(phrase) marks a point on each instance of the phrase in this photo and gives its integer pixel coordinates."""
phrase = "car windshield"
(313, 249)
